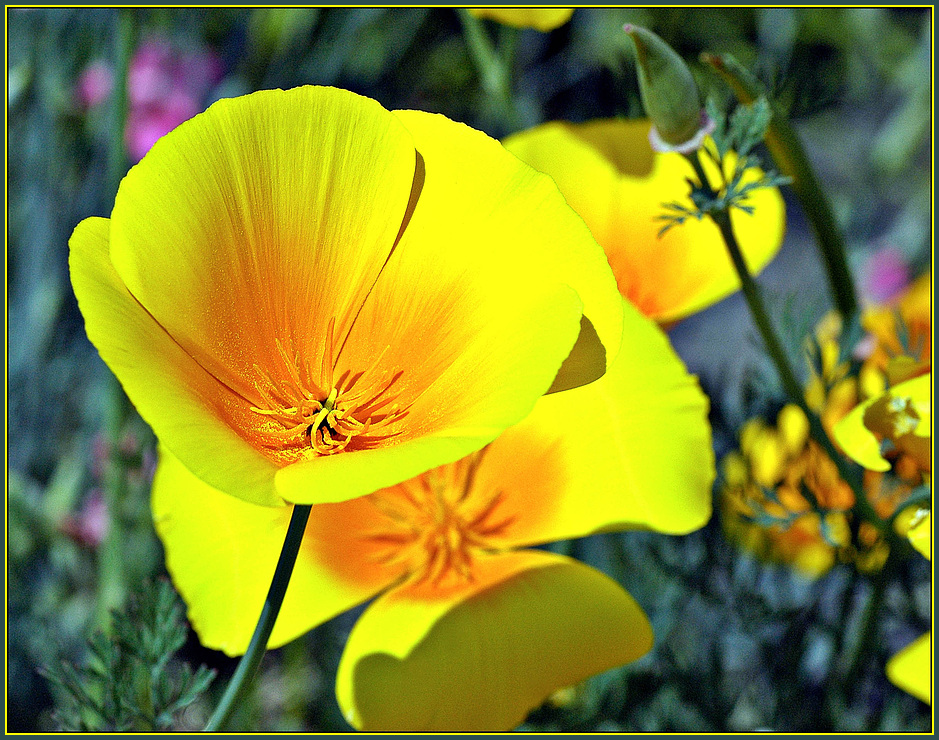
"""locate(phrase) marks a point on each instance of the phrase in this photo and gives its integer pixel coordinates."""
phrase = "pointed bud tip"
(667, 88)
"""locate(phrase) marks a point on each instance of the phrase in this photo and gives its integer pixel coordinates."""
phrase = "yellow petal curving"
(631, 450)
(221, 553)
(911, 668)
(528, 624)
(170, 389)
(905, 399)
(610, 175)
(513, 225)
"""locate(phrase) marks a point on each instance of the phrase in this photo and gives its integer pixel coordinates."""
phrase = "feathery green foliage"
(131, 683)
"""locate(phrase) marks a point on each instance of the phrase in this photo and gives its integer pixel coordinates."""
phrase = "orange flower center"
(435, 525)
(298, 413)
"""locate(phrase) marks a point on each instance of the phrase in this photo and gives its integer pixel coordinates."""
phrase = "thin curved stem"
(789, 154)
(117, 151)
(117, 409)
(863, 640)
(250, 661)
(751, 293)
(493, 66)
(851, 474)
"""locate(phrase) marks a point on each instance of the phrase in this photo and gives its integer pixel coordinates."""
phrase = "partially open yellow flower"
(911, 668)
(309, 297)
(610, 175)
(469, 631)
(541, 19)
(902, 416)
(795, 537)
(764, 507)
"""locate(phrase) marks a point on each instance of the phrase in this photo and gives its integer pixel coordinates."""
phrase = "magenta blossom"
(94, 84)
(885, 275)
(146, 124)
(166, 85)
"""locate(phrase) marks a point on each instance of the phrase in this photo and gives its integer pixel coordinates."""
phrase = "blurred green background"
(740, 645)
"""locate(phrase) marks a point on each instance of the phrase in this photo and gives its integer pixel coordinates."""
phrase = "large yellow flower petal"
(169, 387)
(529, 272)
(632, 449)
(609, 174)
(349, 293)
(260, 220)
(911, 668)
(483, 657)
(221, 553)
(542, 19)
(894, 408)
(515, 225)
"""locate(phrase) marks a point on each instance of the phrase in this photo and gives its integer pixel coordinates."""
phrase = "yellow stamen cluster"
(355, 407)
(438, 523)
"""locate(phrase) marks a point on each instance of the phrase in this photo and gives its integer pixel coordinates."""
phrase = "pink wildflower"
(885, 275)
(94, 84)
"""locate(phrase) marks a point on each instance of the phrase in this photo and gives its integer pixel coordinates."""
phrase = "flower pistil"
(326, 421)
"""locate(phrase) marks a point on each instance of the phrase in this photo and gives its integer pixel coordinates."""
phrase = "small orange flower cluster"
(782, 495)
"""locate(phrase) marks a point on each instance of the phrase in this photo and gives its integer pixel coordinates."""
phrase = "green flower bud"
(669, 93)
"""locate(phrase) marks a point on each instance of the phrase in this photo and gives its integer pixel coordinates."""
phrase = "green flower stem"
(251, 660)
(117, 152)
(494, 69)
(851, 474)
(111, 586)
(789, 155)
(111, 553)
(863, 638)
(508, 39)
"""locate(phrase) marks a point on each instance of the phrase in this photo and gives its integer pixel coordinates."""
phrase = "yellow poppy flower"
(468, 631)
(610, 175)
(541, 19)
(309, 297)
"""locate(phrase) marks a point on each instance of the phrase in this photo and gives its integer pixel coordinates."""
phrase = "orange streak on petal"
(343, 537)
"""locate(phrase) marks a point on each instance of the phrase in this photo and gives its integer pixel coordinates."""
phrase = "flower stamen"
(355, 406)
(438, 524)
